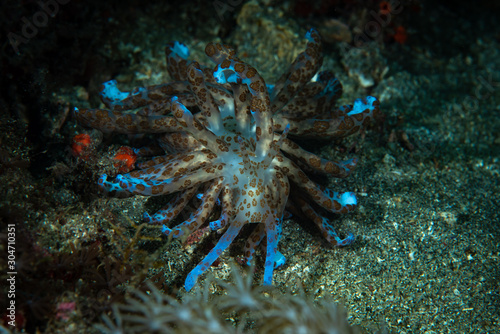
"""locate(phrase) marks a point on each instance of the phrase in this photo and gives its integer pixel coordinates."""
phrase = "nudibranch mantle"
(225, 134)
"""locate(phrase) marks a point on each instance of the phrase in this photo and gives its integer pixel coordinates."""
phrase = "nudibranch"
(225, 136)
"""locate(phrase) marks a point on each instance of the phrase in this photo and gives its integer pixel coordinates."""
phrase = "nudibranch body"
(225, 134)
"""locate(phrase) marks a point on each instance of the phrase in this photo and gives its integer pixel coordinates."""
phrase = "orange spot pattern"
(81, 145)
(126, 159)
(400, 36)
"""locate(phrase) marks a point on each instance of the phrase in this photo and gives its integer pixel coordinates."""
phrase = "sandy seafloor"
(427, 250)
